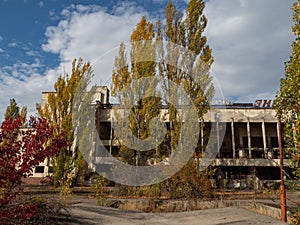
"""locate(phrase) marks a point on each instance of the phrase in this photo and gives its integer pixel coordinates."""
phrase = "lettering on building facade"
(264, 103)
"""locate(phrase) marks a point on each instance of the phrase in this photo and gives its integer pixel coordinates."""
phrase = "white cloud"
(91, 33)
(32, 53)
(12, 44)
(41, 4)
(52, 14)
(84, 31)
(250, 42)
(24, 83)
(57, 39)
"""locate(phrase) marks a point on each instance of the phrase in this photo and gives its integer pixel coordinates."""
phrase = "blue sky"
(38, 39)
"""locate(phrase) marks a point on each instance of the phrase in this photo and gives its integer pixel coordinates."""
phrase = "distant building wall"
(250, 141)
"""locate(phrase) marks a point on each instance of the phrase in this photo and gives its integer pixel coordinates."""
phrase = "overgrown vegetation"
(287, 102)
(59, 111)
(188, 183)
(13, 112)
(20, 152)
(294, 218)
(187, 65)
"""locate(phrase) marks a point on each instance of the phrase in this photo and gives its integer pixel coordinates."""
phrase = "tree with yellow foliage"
(287, 102)
(174, 52)
(59, 111)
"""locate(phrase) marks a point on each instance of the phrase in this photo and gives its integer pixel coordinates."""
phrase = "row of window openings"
(256, 142)
(106, 131)
(41, 169)
(225, 152)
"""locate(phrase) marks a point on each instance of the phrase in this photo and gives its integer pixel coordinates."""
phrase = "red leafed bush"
(19, 213)
(20, 151)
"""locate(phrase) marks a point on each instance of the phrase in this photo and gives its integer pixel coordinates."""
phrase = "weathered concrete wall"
(226, 115)
(249, 162)
(242, 115)
(156, 205)
(267, 210)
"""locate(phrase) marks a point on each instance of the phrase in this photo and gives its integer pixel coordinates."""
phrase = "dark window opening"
(256, 142)
(51, 169)
(104, 130)
(274, 142)
(39, 169)
(268, 173)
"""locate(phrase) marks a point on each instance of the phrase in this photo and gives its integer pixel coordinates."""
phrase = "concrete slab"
(84, 213)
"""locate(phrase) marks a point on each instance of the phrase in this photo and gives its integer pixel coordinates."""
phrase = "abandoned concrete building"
(249, 147)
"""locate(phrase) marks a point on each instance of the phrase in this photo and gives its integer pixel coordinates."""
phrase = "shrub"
(20, 152)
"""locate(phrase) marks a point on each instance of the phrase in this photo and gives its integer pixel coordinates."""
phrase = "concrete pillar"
(218, 138)
(202, 136)
(263, 128)
(249, 137)
(232, 138)
(111, 135)
(278, 132)
(46, 167)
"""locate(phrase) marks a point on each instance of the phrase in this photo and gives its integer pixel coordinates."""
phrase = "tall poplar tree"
(191, 61)
(13, 112)
(144, 109)
(287, 103)
(58, 110)
(184, 59)
(195, 56)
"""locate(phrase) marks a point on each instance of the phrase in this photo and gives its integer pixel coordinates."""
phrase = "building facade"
(248, 148)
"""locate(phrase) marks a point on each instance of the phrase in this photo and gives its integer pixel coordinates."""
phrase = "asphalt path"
(84, 213)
